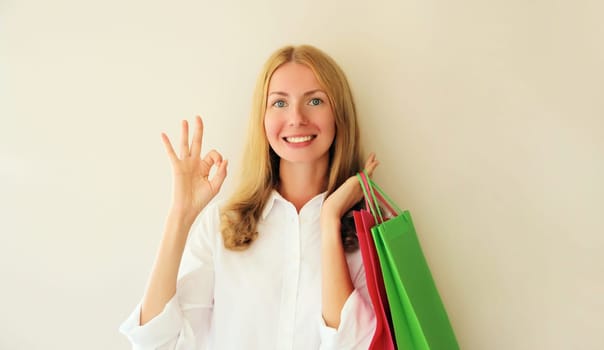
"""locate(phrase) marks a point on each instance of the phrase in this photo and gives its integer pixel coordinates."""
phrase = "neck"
(299, 183)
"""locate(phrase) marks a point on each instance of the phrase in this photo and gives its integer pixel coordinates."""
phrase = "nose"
(296, 116)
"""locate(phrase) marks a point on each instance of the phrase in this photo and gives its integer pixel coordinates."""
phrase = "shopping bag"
(382, 338)
(419, 318)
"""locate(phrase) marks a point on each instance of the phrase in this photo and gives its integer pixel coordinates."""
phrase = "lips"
(299, 139)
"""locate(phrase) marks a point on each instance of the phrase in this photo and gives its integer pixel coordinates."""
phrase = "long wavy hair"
(260, 168)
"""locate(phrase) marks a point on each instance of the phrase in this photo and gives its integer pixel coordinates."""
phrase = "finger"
(371, 164)
(369, 159)
(197, 138)
(218, 179)
(372, 167)
(184, 140)
(168, 147)
(211, 158)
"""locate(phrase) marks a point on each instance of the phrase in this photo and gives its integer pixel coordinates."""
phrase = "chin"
(303, 159)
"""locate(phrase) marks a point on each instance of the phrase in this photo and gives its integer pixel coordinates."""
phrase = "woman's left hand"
(348, 194)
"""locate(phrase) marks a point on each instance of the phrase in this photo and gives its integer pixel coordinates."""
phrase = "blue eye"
(279, 104)
(316, 101)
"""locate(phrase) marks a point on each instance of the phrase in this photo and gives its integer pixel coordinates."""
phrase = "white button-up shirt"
(265, 297)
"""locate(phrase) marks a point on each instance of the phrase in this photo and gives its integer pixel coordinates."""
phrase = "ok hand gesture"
(192, 189)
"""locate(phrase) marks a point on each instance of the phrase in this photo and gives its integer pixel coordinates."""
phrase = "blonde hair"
(260, 168)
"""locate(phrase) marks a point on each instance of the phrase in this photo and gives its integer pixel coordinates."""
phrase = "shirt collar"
(269, 203)
(275, 195)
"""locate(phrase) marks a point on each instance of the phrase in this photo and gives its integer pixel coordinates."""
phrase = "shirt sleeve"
(185, 321)
(357, 318)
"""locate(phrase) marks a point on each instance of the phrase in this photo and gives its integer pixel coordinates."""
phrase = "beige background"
(487, 116)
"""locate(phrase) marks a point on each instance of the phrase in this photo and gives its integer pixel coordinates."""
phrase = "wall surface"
(487, 116)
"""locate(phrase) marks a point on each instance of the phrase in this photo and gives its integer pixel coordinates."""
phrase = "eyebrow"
(305, 94)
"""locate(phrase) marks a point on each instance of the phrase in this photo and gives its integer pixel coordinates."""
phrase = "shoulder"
(209, 218)
(206, 229)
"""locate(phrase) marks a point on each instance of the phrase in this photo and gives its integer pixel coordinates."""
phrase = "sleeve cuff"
(357, 326)
(161, 329)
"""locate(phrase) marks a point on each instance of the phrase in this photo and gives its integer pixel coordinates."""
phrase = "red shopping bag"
(383, 337)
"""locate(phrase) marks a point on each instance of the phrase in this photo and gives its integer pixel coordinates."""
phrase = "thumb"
(218, 179)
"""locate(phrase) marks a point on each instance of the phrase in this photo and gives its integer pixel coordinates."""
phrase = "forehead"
(293, 77)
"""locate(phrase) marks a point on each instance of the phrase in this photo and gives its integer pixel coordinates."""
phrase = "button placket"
(290, 280)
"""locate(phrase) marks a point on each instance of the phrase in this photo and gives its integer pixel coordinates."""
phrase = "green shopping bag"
(419, 317)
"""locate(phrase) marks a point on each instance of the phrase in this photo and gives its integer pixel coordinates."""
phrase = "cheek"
(271, 129)
(329, 126)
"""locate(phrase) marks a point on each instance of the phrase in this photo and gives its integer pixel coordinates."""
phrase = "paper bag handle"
(374, 200)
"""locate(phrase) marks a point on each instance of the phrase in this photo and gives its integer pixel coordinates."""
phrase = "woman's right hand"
(192, 189)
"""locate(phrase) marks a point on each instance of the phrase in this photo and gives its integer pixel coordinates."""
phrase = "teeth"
(298, 139)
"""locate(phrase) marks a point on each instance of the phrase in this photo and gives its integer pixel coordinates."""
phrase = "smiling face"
(299, 121)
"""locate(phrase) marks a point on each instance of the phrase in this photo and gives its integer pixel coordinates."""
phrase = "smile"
(299, 139)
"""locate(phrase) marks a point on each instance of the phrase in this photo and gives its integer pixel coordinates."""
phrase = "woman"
(277, 267)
